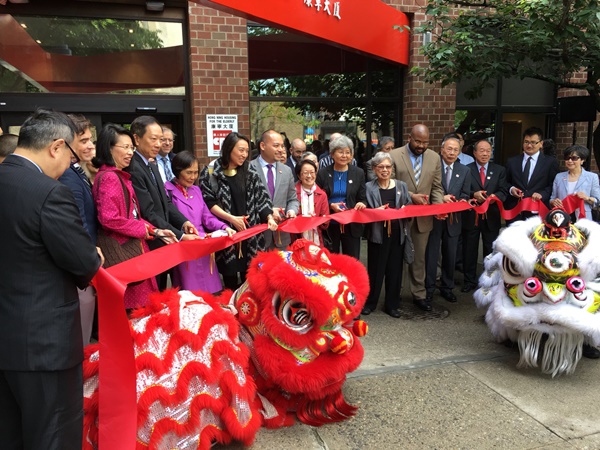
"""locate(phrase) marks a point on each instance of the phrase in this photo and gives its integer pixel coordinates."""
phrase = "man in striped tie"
(420, 168)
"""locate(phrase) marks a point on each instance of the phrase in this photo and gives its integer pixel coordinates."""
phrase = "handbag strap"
(125, 191)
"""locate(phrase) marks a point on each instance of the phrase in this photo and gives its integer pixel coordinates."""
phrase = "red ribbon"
(117, 396)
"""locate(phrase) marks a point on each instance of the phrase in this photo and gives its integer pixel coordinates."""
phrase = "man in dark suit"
(281, 187)
(46, 254)
(155, 205)
(530, 174)
(420, 168)
(456, 182)
(297, 149)
(487, 179)
(81, 187)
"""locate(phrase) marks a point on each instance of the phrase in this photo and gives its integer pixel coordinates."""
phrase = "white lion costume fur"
(541, 289)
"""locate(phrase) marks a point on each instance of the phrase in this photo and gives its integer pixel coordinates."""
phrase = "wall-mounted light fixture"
(155, 6)
(427, 38)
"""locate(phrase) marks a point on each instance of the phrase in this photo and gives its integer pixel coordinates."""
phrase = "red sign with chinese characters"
(364, 25)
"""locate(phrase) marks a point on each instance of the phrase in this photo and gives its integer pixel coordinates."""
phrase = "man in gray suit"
(279, 180)
(46, 255)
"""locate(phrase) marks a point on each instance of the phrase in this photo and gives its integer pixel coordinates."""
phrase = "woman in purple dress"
(200, 274)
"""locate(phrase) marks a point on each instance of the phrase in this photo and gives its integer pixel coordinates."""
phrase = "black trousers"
(385, 263)
(350, 245)
(41, 410)
(471, 250)
(440, 239)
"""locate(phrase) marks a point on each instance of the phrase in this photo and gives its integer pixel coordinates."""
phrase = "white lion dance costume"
(541, 287)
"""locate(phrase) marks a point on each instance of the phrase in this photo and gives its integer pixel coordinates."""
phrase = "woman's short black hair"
(182, 161)
(107, 138)
(304, 162)
(577, 150)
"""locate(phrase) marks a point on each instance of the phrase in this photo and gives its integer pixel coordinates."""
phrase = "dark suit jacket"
(541, 179)
(355, 191)
(459, 187)
(46, 253)
(495, 183)
(155, 206)
(290, 164)
(83, 198)
(430, 183)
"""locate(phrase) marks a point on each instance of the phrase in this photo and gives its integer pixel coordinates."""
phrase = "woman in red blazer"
(313, 199)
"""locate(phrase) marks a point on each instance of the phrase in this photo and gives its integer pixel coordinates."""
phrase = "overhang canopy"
(342, 22)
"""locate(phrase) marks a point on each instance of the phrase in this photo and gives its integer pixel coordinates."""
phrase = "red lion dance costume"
(217, 368)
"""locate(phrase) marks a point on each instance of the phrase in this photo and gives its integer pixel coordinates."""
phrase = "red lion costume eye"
(293, 314)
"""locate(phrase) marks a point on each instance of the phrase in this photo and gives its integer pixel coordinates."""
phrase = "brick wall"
(564, 131)
(423, 102)
(219, 71)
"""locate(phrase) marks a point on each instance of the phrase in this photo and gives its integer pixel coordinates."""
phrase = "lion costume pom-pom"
(217, 368)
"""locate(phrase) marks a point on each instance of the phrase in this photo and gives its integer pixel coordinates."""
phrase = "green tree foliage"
(482, 40)
(85, 37)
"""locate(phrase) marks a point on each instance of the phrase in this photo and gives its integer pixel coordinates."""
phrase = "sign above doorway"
(368, 26)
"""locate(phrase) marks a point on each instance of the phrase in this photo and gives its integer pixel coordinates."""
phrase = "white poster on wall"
(218, 126)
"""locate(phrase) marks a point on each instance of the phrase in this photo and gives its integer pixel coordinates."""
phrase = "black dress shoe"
(395, 313)
(467, 288)
(425, 305)
(590, 352)
(366, 311)
(449, 296)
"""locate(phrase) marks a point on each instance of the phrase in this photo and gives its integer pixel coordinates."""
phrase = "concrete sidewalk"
(445, 384)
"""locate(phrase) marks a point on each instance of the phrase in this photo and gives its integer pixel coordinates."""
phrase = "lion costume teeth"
(541, 289)
(217, 368)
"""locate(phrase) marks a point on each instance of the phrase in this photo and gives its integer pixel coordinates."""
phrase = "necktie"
(152, 172)
(417, 170)
(527, 169)
(167, 166)
(81, 173)
(448, 176)
(270, 180)
(482, 175)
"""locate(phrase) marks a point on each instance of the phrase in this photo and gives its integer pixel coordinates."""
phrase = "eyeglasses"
(74, 158)
(572, 158)
(531, 142)
(125, 147)
(308, 174)
(420, 143)
(168, 141)
(344, 152)
(382, 167)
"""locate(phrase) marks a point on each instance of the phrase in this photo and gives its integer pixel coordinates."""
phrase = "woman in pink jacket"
(199, 274)
(117, 205)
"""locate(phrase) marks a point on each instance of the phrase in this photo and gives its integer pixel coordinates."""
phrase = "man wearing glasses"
(83, 150)
(46, 254)
(530, 174)
(165, 155)
(421, 169)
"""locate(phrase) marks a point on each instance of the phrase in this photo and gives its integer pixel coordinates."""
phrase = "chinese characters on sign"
(218, 126)
(330, 8)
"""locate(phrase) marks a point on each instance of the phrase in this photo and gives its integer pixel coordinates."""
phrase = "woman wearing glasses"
(385, 239)
(313, 200)
(117, 205)
(344, 185)
(576, 180)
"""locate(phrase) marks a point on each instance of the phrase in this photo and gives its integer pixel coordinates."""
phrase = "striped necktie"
(417, 169)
